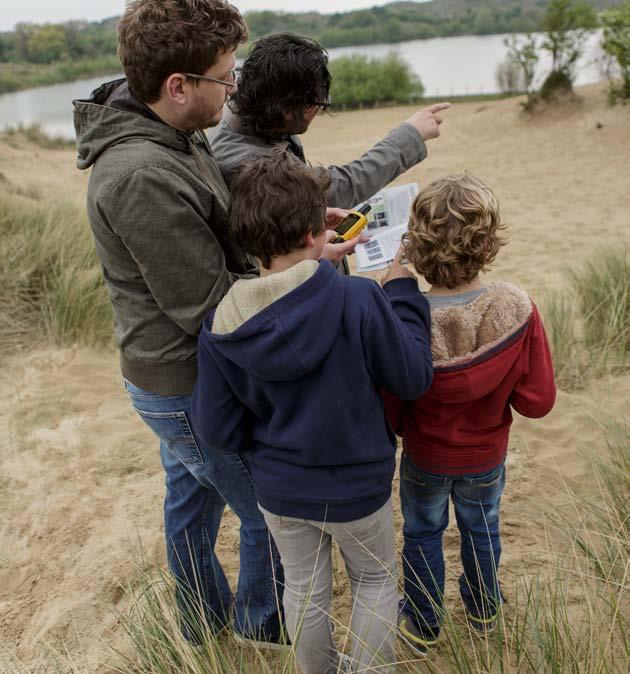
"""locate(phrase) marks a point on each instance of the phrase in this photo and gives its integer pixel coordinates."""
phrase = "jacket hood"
(475, 345)
(279, 327)
(113, 115)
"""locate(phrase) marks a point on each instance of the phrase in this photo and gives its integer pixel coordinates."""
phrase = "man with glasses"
(157, 205)
(283, 84)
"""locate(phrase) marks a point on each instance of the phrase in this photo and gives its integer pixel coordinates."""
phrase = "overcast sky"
(41, 11)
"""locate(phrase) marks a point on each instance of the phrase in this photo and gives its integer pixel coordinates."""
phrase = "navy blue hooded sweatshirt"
(290, 371)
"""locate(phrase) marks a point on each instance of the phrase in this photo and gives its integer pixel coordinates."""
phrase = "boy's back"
(490, 354)
(305, 352)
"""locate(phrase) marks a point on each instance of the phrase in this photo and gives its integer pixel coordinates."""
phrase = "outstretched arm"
(402, 148)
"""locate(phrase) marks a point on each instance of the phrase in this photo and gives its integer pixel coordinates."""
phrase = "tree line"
(34, 54)
(396, 22)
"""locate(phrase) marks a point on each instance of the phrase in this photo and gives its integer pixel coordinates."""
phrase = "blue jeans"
(199, 483)
(424, 500)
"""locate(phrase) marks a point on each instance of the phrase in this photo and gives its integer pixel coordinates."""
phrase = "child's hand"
(397, 270)
(334, 252)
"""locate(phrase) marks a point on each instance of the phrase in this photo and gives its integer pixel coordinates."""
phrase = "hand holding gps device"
(352, 224)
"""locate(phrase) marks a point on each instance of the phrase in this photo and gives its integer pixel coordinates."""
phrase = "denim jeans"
(424, 501)
(199, 483)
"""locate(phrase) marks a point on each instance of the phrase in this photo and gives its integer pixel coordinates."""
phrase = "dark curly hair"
(283, 73)
(157, 38)
(454, 231)
(275, 202)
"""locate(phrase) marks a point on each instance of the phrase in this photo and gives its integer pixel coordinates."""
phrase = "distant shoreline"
(22, 76)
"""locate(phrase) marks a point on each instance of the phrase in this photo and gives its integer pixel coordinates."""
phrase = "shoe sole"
(260, 645)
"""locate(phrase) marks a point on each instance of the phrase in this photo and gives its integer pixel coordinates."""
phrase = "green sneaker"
(482, 626)
(414, 637)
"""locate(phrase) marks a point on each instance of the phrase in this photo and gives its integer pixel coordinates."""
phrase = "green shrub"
(360, 81)
(567, 25)
(616, 43)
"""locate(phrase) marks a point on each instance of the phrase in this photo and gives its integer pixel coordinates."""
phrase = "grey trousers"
(367, 548)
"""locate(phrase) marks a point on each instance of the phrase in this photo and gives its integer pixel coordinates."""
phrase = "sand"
(80, 482)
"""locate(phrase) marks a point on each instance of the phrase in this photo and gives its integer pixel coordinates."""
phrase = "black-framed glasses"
(324, 105)
(226, 83)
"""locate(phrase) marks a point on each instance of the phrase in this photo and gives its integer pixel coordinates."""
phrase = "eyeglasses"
(324, 105)
(226, 83)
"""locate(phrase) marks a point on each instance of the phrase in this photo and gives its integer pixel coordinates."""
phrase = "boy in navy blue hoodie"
(291, 365)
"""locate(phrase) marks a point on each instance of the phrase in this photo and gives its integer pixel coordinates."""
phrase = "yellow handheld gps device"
(352, 224)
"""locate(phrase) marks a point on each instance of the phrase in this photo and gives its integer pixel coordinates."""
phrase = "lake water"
(446, 66)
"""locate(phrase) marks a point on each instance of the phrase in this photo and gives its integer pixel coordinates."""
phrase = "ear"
(309, 240)
(289, 116)
(173, 88)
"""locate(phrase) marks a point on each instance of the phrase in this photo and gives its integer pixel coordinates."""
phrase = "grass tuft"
(588, 323)
(50, 277)
(602, 285)
(33, 133)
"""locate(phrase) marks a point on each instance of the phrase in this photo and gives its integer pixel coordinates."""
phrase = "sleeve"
(357, 181)
(158, 217)
(219, 418)
(535, 393)
(397, 339)
(394, 411)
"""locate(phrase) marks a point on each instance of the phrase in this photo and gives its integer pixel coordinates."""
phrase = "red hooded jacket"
(490, 355)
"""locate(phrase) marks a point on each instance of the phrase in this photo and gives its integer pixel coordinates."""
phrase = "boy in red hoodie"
(490, 355)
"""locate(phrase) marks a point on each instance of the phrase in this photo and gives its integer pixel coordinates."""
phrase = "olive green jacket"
(157, 205)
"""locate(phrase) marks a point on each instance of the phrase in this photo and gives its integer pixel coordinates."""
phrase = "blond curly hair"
(454, 230)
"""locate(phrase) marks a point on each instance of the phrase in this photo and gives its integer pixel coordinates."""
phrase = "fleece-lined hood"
(279, 327)
(464, 337)
(113, 115)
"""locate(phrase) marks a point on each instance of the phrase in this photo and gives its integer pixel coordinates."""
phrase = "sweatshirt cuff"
(401, 286)
(406, 287)
(409, 140)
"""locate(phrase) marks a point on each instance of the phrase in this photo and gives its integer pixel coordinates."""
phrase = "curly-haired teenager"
(490, 355)
(290, 371)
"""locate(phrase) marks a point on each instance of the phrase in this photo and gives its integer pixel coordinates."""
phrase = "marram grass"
(568, 615)
(588, 321)
(51, 290)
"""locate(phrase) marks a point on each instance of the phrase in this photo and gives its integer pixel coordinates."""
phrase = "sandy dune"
(80, 481)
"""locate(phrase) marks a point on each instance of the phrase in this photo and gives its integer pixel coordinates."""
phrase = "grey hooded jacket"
(352, 183)
(157, 205)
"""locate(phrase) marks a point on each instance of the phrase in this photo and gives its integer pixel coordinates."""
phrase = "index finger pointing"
(436, 107)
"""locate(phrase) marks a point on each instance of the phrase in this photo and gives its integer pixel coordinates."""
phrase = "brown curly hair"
(454, 230)
(159, 37)
(275, 202)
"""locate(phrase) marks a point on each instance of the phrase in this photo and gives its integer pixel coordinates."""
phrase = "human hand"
(427, 121)
(335, 252)
(335, 216)
(397, 270)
